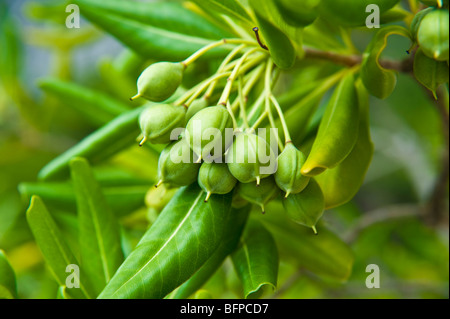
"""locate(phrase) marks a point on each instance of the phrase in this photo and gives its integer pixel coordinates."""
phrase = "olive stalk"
(214, 45)
(226, 92)
(267, 95)
(221, 68)
(242, 103)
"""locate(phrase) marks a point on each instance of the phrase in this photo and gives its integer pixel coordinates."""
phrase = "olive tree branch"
(350, 60)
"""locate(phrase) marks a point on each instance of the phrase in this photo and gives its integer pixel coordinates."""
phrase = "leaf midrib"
(191, 209)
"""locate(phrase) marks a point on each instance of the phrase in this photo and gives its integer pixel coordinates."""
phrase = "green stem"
(267, 95)
(287, 136)
(254, 76)
(221, 68)
(214, 45)
(226, 92)
(241, 98)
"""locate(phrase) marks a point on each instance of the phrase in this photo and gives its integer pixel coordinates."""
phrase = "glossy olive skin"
(250, 158)
(433, 34)
(206, 132)
(259, 195)
(288, 175)
(215, 178)
(177, 166)
(306, 207)
(160, 80)
(159, 120)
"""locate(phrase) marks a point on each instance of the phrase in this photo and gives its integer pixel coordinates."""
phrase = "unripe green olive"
(288, 176)
(195, 107)
(250, 158)
(429, 72)
(206, 132)
(433, 34)
(177, 166)
(158, 120)
(215, 178)
(306, 207)
(159, 81)
(259, 195)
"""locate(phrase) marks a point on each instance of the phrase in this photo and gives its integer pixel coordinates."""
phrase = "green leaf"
(280, 47)
(96, 107)
(380, 82)
(121, 199)
(108, 140)
(8, 286)
(186, 233)
(256, 260)
(324, 254)
(54, 248)
(340, 184)
(429, 72)
(99, 233)
(351, 13)
(338, 129)
(232, 8)
(232, 233)
(163, 31)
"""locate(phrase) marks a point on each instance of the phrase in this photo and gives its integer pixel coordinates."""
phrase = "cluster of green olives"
(201, 149)
(430, 30)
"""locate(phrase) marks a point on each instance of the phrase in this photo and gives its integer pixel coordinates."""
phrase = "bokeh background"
(398, 220)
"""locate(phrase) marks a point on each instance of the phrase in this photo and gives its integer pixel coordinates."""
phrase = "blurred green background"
(387, 223)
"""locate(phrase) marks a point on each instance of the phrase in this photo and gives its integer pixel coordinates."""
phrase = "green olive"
(159, 120)
(177, 166)
(215, 178)
(159, 81)
(250, 158)
(306, 207)
(195, 107)
(288, 176)
(259, 194)
(206, 132)
(433, 34)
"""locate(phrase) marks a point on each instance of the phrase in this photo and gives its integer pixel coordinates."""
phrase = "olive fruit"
(206, 132)
(159, 81)
(158, 120)
(250, 158)
(177, 166)
(433, 34)
(215, 178)
(288, 176)
(306, 207)
(258, 194)
(429, 72)
(195, 107)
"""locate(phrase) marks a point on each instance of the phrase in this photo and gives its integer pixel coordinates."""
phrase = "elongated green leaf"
(100, 248)
(235, 224)
(155, 30)
(97, 107)
(324, 254)
(379, 81)
(338, 129)
(122, 199)
(8, 286)
(184, 236)
(340, 184)
(350, 12)
(280, 47)
(53, 247)
(110, 139)
(256, 260)
(232, 8)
